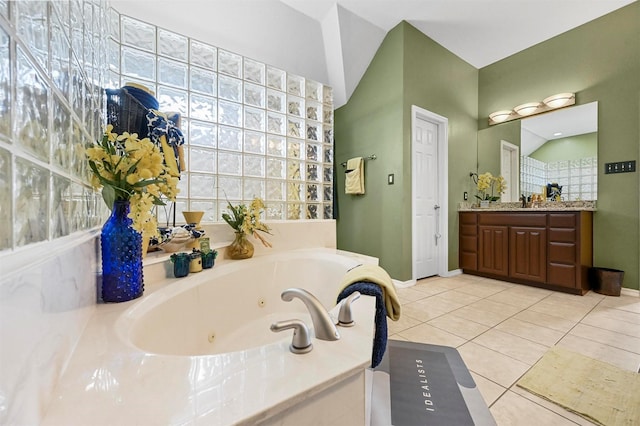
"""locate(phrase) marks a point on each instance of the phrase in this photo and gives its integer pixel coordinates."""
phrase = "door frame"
(514, 156)
(443, 188)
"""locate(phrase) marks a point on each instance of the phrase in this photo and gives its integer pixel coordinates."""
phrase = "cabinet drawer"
(468, 218)
(562, 220)
(562, 275)
(562, 252)
(562, 235)
(468, 230)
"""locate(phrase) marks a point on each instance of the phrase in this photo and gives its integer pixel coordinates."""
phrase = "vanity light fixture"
(500, 116)
(550, 103)
(560, 100)
(527, 109)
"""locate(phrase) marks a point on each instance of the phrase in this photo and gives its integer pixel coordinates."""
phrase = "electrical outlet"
(620, 167)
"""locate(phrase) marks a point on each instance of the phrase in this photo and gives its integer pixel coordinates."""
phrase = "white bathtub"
(199, 349)
(231, 308)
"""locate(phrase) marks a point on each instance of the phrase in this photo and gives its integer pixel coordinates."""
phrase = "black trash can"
(606, 281)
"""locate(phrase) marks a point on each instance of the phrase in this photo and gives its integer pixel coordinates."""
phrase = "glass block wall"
(52, 64)
(578, 178)
(252, 130)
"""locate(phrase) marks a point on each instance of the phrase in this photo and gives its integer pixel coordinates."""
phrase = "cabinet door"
(493, 252)
(527, 253)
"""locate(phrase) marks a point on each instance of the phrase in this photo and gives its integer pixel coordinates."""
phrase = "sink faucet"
(323, 325)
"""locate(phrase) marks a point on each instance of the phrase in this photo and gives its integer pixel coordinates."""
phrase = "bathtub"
(199, 349)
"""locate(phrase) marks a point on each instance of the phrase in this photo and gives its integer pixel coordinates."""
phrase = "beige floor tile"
(409, 294)
(533, 332)
(618, 357)
(551, 406)
(490, 391)
(459, 326)
(514, 410)
(516, 347)
(456, 297)
(419, 312)
(509, 297)
(429, 289)
(624, 303)
(425, 333)
(617, 314)
(602, 318)
(490, 319)
(526, 290)
(452, 282)
(492, 365)
(437, 303)
(572, 312)
(544, 320)
(610, 338)
(590, 299)
(482, 289)
(497, 307)
(403, 323)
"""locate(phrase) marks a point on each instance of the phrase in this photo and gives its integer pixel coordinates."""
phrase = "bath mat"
(421, 384)
(593, 389)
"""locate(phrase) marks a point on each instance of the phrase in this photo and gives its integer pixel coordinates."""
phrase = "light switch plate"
(620, 167)
(390, 179)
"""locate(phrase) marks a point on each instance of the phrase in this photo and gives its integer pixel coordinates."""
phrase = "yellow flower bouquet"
(487, 184)
(128, 168)
(246, 220)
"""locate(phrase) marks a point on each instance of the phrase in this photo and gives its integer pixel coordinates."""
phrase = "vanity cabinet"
(550, 249)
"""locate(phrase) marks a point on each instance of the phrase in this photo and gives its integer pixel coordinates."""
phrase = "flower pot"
(484, 204)
(240, 248)
(121, 256)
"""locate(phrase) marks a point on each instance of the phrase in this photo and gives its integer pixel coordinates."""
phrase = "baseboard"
(629, 292)
(404, 284)
(453, 273)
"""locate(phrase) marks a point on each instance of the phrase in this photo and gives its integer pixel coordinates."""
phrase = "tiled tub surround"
(110, 381)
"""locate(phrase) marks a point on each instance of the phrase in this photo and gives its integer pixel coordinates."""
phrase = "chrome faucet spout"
(323, 325)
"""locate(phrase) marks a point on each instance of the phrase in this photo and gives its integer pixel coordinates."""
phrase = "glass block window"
(53, 65)
(578, 177)
(252, 130)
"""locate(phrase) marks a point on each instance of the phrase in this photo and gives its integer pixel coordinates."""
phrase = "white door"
(426, 209)
(510, 170)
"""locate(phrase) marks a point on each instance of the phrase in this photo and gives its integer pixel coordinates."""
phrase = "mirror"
(561, 148)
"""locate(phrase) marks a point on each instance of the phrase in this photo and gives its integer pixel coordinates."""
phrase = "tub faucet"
(323, 324)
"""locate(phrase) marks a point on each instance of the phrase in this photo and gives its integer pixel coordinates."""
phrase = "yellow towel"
(377, 275)
(354, 176)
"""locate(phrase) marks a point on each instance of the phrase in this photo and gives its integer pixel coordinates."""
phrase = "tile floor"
(502, 329)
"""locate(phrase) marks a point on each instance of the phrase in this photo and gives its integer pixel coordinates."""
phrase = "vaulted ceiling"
(333, 41)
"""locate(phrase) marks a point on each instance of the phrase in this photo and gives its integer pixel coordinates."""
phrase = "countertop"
(539, 207)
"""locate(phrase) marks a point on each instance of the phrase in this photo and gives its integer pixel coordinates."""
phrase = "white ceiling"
(479, 31)
(333, 41)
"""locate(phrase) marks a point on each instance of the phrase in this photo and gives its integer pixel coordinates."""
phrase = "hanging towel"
(375, 274)
(354, 176)
(380, 335)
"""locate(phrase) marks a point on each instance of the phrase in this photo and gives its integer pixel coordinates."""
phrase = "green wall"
(569, 148)
(599, 61)
(372, 123)
(408, 69)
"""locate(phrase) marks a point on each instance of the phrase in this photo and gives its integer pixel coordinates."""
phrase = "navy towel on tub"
(380, 337)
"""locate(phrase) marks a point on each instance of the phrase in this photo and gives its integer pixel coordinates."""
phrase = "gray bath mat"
(418, 384)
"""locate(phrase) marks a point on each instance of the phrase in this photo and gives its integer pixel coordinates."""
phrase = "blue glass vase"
(121, 256)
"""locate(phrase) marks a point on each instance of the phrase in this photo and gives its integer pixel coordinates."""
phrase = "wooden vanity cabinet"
(550, 249)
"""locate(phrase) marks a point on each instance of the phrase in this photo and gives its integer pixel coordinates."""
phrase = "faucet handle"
(301, 343)
(345, 319)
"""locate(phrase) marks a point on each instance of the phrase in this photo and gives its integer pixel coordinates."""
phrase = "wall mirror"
(561, 147)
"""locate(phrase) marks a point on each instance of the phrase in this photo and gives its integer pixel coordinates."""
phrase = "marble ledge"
(544, 206)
